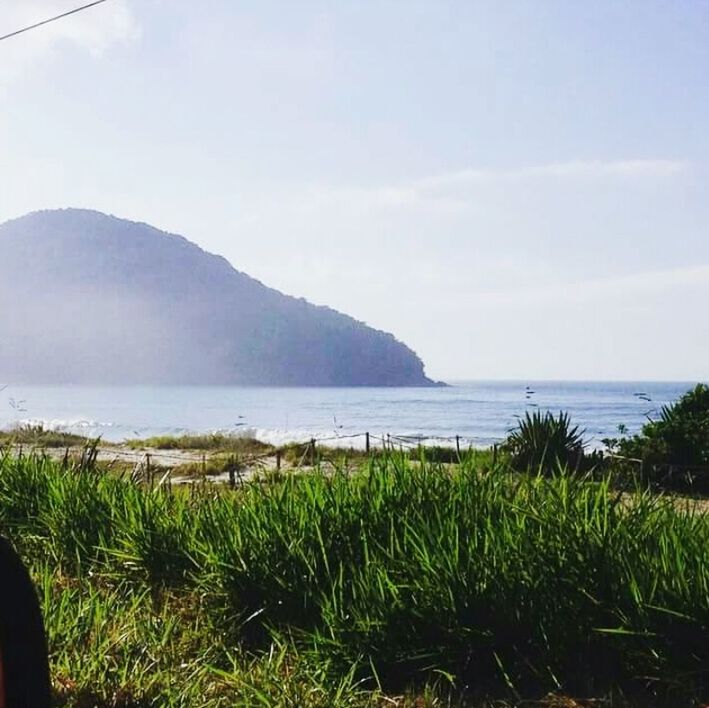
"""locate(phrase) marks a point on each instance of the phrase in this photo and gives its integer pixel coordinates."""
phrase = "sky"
(517, 189)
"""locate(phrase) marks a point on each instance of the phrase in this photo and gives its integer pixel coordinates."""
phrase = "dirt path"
(120, 453)
(124, 456)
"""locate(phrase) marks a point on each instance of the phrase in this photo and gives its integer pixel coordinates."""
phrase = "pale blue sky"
(516, 189)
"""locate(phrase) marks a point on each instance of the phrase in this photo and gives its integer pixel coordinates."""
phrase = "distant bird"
(18, 405)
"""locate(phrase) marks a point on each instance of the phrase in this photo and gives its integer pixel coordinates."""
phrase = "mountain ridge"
(88, 297)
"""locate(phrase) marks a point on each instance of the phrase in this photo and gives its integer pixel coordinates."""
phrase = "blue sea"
(480, 412)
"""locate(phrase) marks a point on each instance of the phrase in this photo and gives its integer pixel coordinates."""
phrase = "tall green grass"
(115, 645)
(399, 575)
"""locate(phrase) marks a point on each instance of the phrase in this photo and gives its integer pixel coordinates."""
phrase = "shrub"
(545, 442)
(679, 437)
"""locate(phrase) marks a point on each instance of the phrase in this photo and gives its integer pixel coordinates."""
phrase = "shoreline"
(481, 413)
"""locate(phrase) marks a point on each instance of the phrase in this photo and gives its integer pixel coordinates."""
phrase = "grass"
(213, 442)
(213, 466)
(38, 436)
(404, 579)
(222, 451)
(245, 447)
(120, 645)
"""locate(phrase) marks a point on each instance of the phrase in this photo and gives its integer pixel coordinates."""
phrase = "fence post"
(312, 452)
(457, 445)
(494, 454)
(366, 443)
(278, 459)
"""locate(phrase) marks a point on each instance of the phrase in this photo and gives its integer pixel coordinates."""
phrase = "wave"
(278, 437)
(58, 425)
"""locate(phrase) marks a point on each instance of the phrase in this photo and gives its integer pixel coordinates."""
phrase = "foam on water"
(74, 425)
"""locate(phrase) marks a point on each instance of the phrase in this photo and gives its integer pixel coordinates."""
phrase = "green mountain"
(93, 299)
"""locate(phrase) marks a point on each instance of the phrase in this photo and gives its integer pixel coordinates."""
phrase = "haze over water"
(481, 412)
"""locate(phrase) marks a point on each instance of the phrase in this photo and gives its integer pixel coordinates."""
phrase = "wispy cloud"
(617, 289)
(594, 169)
(451, 191)
(95, 31)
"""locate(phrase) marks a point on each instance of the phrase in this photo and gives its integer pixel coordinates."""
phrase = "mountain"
(93, 299)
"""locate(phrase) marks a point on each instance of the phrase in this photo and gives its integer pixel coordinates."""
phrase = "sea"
(477, 413)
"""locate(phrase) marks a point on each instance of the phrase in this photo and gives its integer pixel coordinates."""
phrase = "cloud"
(594, 169)
(94, 31)
(638, 285)
(452, 191)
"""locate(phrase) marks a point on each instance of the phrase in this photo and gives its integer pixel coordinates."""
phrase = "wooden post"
(366, 443)
(148, 473)
(457, 445)
(278, 459)
(389, 441)
(232, 478)
(494, 455)
(312, 452)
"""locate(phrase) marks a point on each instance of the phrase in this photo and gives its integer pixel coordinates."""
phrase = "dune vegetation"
(404, 583)
(41, 437)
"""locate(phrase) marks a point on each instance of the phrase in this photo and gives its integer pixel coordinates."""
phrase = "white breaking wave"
(58, 425)
(277, 437)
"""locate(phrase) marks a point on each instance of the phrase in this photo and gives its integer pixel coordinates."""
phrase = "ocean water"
(480, 412)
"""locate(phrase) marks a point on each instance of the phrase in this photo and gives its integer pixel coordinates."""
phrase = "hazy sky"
(517, 189)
